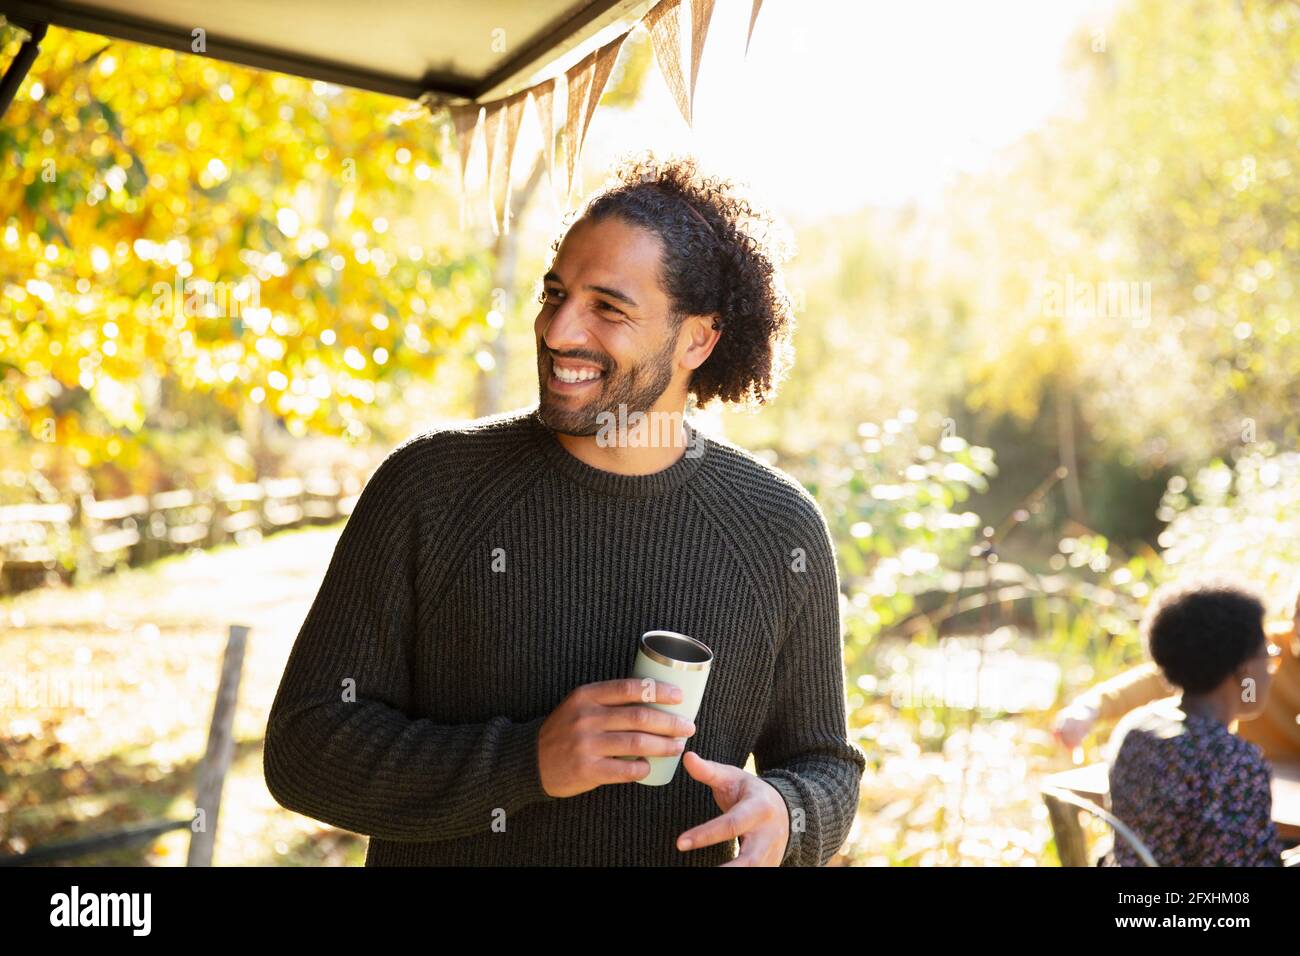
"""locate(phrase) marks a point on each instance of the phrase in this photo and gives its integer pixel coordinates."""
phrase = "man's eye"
(555, 296)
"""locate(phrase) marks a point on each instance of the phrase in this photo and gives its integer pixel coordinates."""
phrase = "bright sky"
(842, 104)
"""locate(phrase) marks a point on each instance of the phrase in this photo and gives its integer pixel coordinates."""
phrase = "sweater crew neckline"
(612, 483)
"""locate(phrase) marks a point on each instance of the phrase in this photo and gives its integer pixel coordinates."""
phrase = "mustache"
(580, 357)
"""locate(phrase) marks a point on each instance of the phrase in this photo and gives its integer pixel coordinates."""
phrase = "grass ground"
(114, 684)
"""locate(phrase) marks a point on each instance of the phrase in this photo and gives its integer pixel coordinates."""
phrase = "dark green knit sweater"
(485, 573)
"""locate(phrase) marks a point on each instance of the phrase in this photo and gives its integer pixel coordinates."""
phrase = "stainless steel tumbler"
(679, 660)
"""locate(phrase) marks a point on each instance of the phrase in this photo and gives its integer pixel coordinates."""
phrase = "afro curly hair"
(721, 255)
(1198, 632)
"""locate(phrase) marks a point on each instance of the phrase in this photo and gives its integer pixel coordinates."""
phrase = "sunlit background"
(1046, 275)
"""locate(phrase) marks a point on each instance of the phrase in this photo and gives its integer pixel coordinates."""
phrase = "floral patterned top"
(1194, 793)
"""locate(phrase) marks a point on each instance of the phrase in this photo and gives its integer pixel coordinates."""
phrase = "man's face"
(604, 322)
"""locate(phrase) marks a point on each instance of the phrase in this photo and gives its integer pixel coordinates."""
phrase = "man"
(459, 690)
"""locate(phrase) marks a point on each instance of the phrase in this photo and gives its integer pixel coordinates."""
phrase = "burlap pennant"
(701, 13)
(511, 111)
(666, 37)
(606, 56)
(577, 80)
(544, 100)
(753, 18)
(465, 122)
(493, 125)
(584, 85)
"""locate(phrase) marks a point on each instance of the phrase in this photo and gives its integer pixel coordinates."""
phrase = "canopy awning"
(481, 60)
(454, 50)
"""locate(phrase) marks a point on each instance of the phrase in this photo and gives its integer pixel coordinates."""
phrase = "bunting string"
(584, 84)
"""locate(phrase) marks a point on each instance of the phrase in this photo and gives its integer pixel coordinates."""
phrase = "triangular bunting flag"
(666, 36)
(600, 71)
(544, 99)
(465, 121)
(512, 113)
(584, 84)
(577, 80)
(701, 13)
(494, 125)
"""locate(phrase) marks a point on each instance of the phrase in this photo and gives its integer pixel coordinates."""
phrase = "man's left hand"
(754, 812)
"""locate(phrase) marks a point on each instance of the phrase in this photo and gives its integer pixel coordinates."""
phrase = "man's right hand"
(579, 744)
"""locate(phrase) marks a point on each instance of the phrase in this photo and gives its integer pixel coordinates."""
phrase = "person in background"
(1276, 728)
(1194, 793)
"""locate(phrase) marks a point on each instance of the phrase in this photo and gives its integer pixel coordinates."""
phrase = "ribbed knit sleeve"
(804, 750)
(339, 745)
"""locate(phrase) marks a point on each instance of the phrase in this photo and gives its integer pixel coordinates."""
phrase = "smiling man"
(459, 690)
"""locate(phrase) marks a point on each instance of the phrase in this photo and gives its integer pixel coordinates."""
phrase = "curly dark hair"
(721, 254)
(1199, 632)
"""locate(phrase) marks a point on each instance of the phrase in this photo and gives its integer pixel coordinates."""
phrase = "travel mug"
(684, 662)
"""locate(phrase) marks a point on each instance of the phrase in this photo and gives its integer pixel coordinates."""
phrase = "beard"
(637, 387)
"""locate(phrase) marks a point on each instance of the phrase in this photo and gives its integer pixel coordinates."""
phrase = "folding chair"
(1070, 843)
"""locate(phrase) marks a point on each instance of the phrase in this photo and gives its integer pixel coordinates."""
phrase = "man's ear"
(700, 335)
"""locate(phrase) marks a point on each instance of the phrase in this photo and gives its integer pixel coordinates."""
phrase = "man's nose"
(567, 328)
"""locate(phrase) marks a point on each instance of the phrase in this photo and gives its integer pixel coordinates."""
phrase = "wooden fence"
(210, 780)
(81, 538)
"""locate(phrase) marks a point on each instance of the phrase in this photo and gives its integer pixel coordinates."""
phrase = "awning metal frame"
(434, 89)
(22, 63)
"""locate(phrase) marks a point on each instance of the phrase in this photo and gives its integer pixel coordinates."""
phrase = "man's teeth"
(576, 375)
